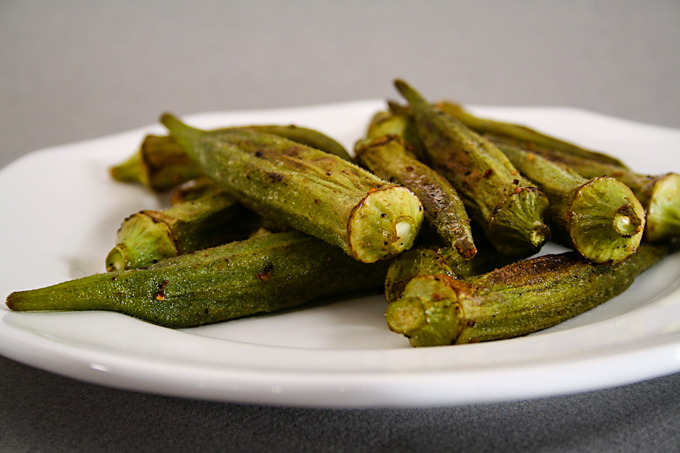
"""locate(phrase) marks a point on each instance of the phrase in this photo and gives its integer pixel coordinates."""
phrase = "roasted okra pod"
(238, 279)
(517, 299)
(309, 190)
(600, 217)
(511, 210)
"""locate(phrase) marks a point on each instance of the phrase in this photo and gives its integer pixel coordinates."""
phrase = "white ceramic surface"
(61, 211)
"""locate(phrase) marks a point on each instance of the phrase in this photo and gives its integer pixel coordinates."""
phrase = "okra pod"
(309, 190)
(510, 209)
(600, 217)
(659, 194)
(523, 133)
(515, 300)
(149, 236)
(161, 164)
(263, 274)
(388, 157)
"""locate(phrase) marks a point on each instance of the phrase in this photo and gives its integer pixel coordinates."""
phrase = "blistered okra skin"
(600, 217)
(388, 157)
(149, 236)
(511, 210)
(515, 300)
(161, 164)
(309, 190)
(239, 279)
(659, 194)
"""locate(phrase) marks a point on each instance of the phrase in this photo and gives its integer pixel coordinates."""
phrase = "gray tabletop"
(74, 70)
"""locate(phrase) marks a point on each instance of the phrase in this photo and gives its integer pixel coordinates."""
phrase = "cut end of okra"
(405, 316)
(663, 213)
(516, 228)
(428, 313)
(606, 221)
(384, 224)
(154, 241)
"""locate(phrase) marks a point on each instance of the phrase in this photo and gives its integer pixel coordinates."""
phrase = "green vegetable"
(161, 164)
(388, 157)
(659, 194)
(518, 299)
(510, 210)
(307, 189)
(599, 217)
(420, 261)
(523, 134)
(149, 236)
(243, 278)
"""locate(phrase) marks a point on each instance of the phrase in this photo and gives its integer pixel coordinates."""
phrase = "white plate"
(61, 211)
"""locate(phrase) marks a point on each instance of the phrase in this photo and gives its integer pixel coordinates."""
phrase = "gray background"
(73, 70)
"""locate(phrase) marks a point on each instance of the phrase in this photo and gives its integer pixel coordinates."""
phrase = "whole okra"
(161, 164)
(149, 236)
(238, 279)
(600, 217)
(518, 299)
(511, 210)
(659, 194)
(309, 190)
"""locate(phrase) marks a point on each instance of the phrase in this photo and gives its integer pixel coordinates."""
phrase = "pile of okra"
(442, 211)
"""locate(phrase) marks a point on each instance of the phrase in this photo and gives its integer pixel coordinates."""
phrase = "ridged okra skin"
(149, 236)
(600, 217)
(659, 194)
(515, 300)
(307, 189)
(388, 157)
(161, 164)
(239, 279)
(511, 210)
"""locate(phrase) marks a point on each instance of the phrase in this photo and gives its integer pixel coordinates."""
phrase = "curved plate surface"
(62, 211)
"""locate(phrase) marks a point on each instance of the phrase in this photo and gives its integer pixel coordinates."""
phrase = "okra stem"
(310, 190)
(511, 211)
(518, 299)
(239, 279)
(149, 236)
